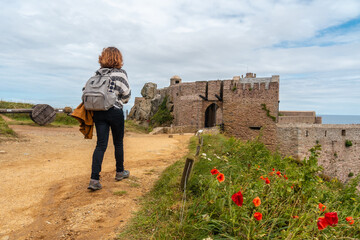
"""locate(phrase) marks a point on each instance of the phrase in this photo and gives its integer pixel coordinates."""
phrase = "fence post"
(187, 169)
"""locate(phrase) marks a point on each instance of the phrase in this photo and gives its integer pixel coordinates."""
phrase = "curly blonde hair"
(111, 57)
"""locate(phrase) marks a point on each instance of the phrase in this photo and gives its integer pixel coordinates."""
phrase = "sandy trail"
(45, 175)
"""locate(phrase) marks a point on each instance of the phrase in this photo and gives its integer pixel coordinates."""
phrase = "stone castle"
(245, 107)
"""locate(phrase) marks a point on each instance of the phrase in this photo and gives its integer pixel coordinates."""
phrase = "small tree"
(162, 116)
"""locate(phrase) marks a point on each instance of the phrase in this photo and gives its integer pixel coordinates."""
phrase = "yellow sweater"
(85, 118)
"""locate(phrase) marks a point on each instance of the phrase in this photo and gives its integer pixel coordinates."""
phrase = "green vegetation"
(64, 119)
(132, 126)
(120, 193)
(163, 116)
(24, 118)
(289, 203)
(263, 105)
(5, 130)
(234, 88)
(15, 105)
(348, 143)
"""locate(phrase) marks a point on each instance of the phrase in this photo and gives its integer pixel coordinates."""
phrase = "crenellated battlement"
(248, 107)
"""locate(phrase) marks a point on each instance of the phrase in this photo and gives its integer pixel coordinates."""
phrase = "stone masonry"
(244, 106)
(248, 107)
(337, 159)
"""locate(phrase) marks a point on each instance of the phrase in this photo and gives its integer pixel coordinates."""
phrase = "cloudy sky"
(48, 49)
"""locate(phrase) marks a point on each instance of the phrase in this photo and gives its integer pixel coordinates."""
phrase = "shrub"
(348, 143)
(162, 116)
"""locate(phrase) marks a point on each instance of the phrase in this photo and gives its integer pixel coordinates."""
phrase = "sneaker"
(94, 185)
(121, 175)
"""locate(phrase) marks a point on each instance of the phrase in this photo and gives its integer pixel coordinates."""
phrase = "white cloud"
(51, 48)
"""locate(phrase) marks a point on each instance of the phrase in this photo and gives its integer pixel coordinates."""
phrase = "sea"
(340, 119)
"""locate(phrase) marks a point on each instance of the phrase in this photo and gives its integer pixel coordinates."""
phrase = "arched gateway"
(210, 115)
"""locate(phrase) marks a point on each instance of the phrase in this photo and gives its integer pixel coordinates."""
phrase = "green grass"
(15, 105)
(131, 126)
(61, 119)
(5, 130)
(120, 193)
(210, 212)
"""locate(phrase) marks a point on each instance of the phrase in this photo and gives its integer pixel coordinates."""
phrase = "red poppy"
(257, 201)
(286, 177)
(267, 181)
(271, 173)
(295, 216)
(292, 186)
(331, 218)
(258, 216)
(214, 171)
(273, 169)
(322, 207)
(322, 223)
(262, 178)
(238, 198)
(220, 177)
(278, 173)
(350, 220)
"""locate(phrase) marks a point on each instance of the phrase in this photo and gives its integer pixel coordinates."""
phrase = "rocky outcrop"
(146, 106)
(149, 90)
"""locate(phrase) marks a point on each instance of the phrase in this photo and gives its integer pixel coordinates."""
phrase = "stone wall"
(309, 117)
(244, 114)
(246, 107)
(337, 159)
(249, 107)
(239, 105)
(187, 103)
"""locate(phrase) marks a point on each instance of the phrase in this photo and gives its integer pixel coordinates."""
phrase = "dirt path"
(45, 174)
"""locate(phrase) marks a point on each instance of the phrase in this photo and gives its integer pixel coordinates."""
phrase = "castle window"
(177, 82)
(343, 132)
(325, 133)
(306, 133)
(255, 128)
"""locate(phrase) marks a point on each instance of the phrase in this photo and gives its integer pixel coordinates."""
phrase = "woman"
(111, 62)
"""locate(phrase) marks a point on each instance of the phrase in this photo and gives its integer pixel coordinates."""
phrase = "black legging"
(114, 119)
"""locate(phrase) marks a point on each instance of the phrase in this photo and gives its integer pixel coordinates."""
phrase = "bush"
(162, 116)
(348, 143)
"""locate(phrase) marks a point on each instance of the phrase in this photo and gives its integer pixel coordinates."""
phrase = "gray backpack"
(96, 95)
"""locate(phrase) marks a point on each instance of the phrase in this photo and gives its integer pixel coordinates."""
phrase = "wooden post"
(199, 145)
(197, 150)
(187, 169)
(41, 114)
